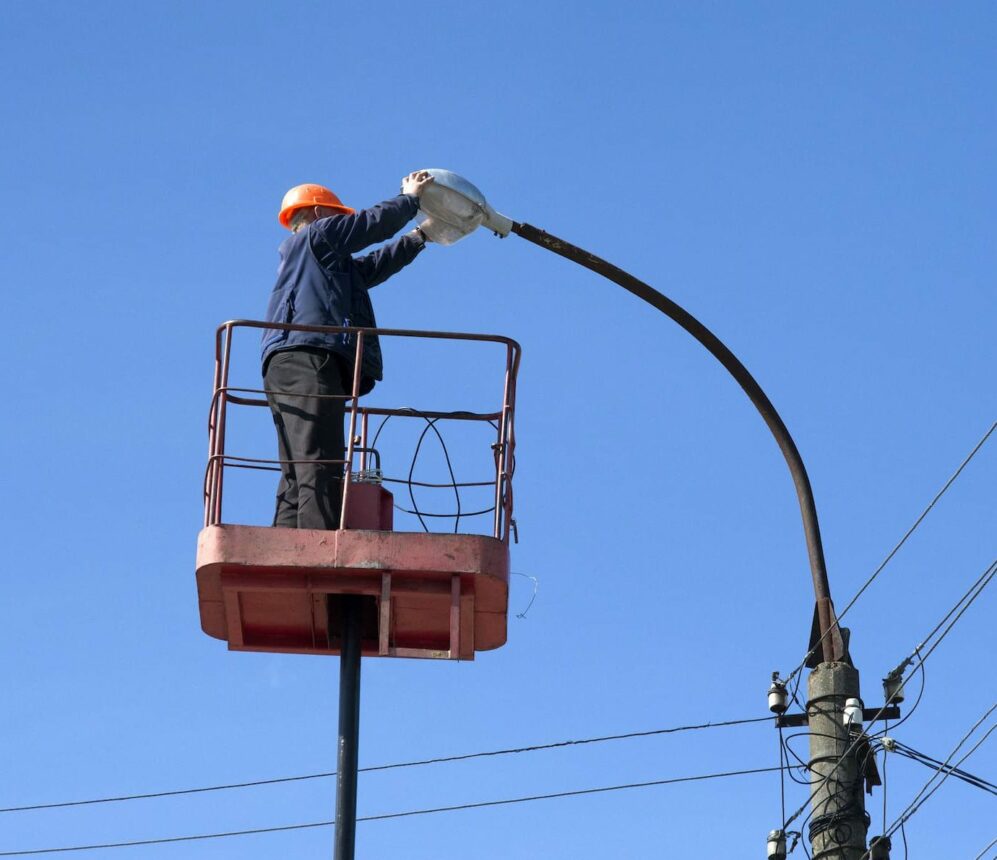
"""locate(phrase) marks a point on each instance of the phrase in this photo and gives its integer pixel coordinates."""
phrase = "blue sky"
(816, 184)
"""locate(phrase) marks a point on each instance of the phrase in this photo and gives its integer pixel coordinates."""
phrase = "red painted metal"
(371, 507)
(426, 595)
(432, 595)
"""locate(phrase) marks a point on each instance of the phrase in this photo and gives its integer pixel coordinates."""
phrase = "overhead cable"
(389, 815)
(985, 850)
(896, 548)
(922, 758)
(964, 602)
(417, 763)
(927, 789)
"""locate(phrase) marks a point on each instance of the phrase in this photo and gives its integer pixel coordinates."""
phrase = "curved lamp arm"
(825, 633)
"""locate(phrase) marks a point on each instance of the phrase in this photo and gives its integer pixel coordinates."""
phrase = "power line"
(390, 815)
(374, 768)
(984, 575)
(576, 793)
(934, 764)
(975, 590)
(944, 772)
(896, 548)
(985, 850)
(166, 840)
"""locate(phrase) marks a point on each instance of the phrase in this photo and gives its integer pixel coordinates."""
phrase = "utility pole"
(837, 823)
(344, 838)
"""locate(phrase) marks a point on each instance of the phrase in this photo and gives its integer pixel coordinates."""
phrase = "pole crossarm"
(832, 644)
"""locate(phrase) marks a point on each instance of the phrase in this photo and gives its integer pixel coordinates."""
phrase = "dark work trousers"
(309, 429)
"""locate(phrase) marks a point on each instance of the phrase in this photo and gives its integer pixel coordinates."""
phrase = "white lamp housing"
(452, 208)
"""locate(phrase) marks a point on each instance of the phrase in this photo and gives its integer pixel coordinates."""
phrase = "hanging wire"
(454, 483)
(797, 836)
(784, 768)
(801, 765)
(795, 694)
(536, 588)
(431, 425)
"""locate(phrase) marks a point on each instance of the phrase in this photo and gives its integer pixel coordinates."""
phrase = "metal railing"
(357, 415)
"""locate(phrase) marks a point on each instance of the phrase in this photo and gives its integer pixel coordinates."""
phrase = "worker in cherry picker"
(320, 282)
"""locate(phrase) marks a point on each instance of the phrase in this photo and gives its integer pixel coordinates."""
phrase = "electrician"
(320, 282)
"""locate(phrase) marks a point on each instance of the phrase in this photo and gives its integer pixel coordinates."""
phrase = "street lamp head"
(452, 208)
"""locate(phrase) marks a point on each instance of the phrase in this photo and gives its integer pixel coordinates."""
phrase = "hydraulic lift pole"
(349, 726)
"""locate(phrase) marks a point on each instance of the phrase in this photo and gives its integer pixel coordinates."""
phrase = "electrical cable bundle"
(454, 483)
(911, 753)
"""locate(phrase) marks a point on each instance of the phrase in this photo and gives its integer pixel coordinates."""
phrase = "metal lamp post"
(453, 208)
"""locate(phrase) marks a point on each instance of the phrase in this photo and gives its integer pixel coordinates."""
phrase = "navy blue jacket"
(319, 282)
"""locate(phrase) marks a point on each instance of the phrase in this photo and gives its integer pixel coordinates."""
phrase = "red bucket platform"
(429, 595)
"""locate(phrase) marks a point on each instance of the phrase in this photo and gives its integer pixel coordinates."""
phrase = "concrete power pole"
(838, 820)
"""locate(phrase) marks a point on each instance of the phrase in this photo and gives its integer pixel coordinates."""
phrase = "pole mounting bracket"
(869, 715)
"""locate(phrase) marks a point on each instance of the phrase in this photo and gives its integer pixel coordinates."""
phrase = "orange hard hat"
(303, 196)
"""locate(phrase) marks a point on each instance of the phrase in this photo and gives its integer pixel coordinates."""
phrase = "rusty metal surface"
(733, 365)
(381, 332)
(828, 643)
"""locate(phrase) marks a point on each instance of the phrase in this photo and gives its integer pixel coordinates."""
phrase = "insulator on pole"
(852, 715)
(778, 695)
(879, 848)
(893, 688)
(776, 849)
